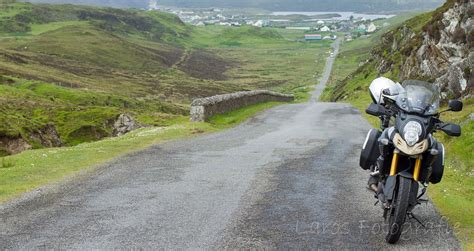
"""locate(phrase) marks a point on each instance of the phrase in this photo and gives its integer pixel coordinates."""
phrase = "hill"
(107, 3)
(67, 72)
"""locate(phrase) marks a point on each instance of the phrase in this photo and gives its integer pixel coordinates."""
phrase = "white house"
(261, 23)
(320, 22)
(325, 28)
(298, 28)
(258, 23)
(371, 28)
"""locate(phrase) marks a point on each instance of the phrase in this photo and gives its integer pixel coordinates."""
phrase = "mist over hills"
(313, 5)
(275, 5)
(109, 3)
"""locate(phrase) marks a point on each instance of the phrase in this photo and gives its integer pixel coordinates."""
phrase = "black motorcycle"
(404, 154)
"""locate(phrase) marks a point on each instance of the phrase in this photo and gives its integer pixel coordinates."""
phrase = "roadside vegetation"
(454, 196)
(36, 168)
(76, 68)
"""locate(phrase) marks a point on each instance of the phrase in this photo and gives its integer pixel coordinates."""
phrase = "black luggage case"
(370, 150)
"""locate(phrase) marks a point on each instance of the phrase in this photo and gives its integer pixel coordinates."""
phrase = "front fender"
(388, 189)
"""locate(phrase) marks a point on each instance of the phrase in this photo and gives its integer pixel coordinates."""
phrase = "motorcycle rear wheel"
(398, 210)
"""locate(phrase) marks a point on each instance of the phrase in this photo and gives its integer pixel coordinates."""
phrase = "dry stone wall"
(203, 108)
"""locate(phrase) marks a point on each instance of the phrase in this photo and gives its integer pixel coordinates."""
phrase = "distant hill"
(67, 72)
(276, 5)
(108, 3)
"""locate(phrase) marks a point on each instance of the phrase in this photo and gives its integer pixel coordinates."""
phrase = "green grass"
(32, 169)
(35, 168)
(31, 105)
(232, 118)
(454, 196)
(7, 10)
(37, 29)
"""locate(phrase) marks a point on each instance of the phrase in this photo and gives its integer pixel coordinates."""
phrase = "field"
(76, 68)
(454, 195)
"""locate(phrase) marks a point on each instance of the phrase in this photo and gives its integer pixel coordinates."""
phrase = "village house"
(325, 28)
(312, 37)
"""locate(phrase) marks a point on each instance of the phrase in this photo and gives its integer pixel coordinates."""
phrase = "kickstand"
(419, 200)
(422, 200)
(412, 216)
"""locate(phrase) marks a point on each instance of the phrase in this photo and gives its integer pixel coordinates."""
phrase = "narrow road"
(287, 178)
(327, 71)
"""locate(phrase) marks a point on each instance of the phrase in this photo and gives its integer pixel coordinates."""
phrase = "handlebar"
(386, 113)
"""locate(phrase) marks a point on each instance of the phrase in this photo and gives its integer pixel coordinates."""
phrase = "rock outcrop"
(439, 50)
(124, 124)
(43, 137)
(47, 136)
(13, 145)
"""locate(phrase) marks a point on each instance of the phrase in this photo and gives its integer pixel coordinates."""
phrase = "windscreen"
(419, 97)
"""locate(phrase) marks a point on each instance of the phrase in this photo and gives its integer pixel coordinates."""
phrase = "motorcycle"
(404, 155)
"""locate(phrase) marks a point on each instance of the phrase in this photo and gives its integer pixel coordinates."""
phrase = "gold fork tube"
(393, 167)
(416, 172)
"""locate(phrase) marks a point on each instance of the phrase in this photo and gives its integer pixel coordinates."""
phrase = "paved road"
(287, 178)
(327, 71)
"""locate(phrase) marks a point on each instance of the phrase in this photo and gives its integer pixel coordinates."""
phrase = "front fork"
(391, 183)
(416, 171)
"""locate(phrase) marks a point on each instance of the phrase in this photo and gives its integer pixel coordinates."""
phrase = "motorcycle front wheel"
(398, 210)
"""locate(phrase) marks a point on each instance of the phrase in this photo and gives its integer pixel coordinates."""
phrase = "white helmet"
(380, 84)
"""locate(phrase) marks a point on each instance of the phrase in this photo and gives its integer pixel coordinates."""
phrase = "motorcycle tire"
(398, 210)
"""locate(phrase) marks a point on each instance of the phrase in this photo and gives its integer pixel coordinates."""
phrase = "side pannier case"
(370, 150)
(438, 165)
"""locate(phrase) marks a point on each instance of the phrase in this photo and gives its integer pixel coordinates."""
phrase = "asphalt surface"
(287, 178)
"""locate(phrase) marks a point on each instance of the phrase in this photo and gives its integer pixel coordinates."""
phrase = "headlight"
(412, 132)
(402, 145)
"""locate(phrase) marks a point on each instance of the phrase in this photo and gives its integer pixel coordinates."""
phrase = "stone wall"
(203, 108)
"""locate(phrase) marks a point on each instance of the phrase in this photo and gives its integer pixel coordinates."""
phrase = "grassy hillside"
(351, 77)
(77, 68)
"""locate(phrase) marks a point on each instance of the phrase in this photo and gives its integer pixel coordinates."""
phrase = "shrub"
(6, 164)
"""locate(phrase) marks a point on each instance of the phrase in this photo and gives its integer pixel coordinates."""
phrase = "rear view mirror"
(386, 91)
(455, 105)
(390, 92)
(451, 129)
(376, 110)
